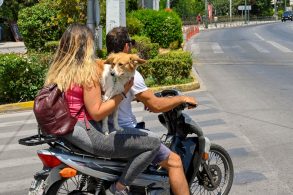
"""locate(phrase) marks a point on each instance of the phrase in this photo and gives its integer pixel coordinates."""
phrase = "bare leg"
(177, 177)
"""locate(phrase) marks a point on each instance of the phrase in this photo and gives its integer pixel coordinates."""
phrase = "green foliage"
(10, 8)
(134, 26)
(170, 68)
(36, 25)
(51, 46)
(102, 53)
(21, 76)
(47, 20)
(71, 11)
(162, 27)
(145, 48)
(188, 8)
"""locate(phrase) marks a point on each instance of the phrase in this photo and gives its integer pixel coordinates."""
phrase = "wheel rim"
(71, 186)
(220, 167)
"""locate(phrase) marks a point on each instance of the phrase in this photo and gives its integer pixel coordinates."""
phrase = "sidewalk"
(216, 25)
(12, 47)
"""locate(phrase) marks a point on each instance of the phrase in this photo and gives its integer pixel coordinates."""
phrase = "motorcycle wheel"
(71, 186)
(221, 168)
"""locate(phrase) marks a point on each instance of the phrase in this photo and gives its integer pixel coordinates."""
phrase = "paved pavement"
(232, 24)
(12, 47)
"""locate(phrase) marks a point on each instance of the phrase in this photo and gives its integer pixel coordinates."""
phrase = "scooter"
(69, 170)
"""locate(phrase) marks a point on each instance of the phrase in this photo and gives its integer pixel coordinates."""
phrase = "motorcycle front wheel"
(221, 168)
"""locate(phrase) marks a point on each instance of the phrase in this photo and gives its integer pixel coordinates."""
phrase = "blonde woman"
(74, 71)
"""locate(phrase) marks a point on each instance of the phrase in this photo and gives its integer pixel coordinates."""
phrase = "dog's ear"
(110, 58)
(136, 59)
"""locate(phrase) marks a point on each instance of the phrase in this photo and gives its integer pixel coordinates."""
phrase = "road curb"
(17, 106)
(29, 105)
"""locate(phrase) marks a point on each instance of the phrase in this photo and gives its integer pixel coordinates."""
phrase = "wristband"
(123, 95)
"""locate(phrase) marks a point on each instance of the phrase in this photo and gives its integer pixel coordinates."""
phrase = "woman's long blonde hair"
(74, 61)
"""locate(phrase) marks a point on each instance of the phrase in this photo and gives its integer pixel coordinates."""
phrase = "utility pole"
(93, 21)
(245, 12)
(275, 9)
(206, 14)
(90, 15)
(230, 10)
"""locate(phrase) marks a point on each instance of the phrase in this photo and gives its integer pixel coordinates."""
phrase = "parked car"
(287, 15)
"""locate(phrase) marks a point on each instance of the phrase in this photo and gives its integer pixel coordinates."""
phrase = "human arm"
(94, 104)
(162, 104)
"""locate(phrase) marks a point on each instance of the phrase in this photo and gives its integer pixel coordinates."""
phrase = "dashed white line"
(258, 48)
(217, 48)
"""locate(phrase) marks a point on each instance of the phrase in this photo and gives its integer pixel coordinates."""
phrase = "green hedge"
(162, 27)
(37, 26)
(145, 48)
(167, 69)
(134, 26)
(21, 76)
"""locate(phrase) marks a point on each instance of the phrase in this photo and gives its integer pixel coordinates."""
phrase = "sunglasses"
(131, 42)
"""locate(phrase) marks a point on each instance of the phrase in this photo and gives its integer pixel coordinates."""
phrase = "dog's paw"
(118, 128)
(106, 133)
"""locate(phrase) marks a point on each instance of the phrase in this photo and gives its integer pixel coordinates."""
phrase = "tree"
(187, 8)
(10, 8)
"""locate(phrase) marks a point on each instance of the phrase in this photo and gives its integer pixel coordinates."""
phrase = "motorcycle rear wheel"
(70, 186)
(221, 167)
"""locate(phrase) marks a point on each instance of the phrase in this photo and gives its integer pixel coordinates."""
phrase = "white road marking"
(18, 123)
(280, 47)
(20, 133)
(10, 186)
(19, 162)
(217, 48)
(17, 114)
(276, 45)
(258, 47)
(195, 48)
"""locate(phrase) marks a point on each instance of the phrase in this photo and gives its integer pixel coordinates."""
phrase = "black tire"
(67, 186)
(223, 175)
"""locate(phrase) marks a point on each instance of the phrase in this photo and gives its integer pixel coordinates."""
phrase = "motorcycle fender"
(207, 146)
(53, 177)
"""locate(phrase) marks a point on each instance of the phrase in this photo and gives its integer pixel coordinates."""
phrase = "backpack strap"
(87, 124)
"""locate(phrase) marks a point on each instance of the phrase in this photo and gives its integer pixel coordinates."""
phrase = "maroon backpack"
(52, 112)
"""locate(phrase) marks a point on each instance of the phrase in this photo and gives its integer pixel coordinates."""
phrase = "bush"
(145, 48)
(162, 27)
(183, 56)
(102, 54)
(51, 46)
(21, 76)
(169, 68)
(134, 26)
(36, 25)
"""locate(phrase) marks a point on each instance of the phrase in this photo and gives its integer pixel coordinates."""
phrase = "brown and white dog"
(115, 72)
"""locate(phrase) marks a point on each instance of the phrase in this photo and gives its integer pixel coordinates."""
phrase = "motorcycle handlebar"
(174, 92)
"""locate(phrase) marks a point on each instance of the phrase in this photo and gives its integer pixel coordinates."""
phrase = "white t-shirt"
(126, 117)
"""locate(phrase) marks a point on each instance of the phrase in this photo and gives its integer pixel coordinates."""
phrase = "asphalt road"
(248, 71)
(245, 105)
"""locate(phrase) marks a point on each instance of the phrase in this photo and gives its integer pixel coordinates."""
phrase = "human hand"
(128, 85)
(191, 101)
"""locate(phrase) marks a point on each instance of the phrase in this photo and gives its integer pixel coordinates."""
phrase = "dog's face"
(123, 64)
